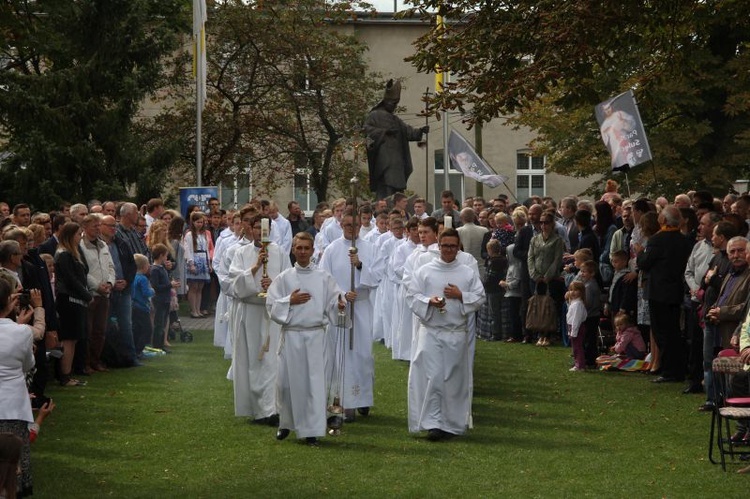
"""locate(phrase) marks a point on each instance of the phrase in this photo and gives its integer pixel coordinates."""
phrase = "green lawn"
(168, 430)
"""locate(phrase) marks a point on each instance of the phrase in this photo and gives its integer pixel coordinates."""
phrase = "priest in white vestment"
(303, 301)
(254, 359)
(401, 314)
(359, 364)
(442, 294)
(225, 241)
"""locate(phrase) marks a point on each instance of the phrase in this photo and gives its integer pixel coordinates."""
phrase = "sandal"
(196, 316)
(72, 382)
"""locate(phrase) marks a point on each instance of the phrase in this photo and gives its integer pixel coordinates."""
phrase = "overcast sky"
(387, 5)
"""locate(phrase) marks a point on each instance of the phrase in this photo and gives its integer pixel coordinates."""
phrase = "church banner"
(622, 131)
(465, 158)
(197, 196)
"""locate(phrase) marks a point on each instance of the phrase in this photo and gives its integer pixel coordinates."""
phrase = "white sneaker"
(574, 369)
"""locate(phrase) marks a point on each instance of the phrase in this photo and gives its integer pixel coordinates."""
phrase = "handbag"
(541, 314)
(51, 341)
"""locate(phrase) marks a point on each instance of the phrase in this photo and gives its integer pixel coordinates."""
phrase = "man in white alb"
(303, 300)
(442, 294)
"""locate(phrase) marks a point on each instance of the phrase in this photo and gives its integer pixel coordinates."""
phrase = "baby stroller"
(176, 328)
(606, 335)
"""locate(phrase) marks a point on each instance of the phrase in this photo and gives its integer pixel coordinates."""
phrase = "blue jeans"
(121, 308)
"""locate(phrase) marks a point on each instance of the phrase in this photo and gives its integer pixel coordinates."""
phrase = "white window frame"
(454, 174)
(530, 171)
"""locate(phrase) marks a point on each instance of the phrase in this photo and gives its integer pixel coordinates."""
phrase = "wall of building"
(390, 42)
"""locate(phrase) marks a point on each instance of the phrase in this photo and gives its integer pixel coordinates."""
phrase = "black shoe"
(349, 415)
(435, 434)
(312, 441)
(273, 420)
(692, 389)
(365, 411)
(282, 434)
(738, 437)
(707, 407)
(262, 421)
(666, 379)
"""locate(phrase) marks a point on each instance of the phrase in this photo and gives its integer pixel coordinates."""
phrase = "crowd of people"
(299, 303)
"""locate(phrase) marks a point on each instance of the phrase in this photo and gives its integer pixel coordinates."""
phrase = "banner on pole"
(463, 157)
(622, 131)
(197, 196)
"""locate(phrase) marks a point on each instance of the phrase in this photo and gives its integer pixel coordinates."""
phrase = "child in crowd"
(49, 260)
(162, 287)
(496, 269)
(576, 320)
(572, 273)
(199, 250)
(630, 343)
(511, 303)
(623, 294)
(571, 270)
(141, 294)
(35, 427)
(593, 292)
(10, 456)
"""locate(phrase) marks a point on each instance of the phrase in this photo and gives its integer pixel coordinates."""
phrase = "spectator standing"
(16, 360)
(471, 237)
(73, 298)
(100, 279)
(545, 262)
(120, 332)
(665, 257)
(198, 252)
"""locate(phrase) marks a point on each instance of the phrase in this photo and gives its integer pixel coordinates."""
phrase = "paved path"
(205, 324)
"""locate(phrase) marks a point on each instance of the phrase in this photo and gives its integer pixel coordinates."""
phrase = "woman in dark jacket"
(73, 298)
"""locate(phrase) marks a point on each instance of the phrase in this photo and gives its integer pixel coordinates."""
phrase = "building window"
(530, 175)
(303, 75)
(303, 193)
(456, 180)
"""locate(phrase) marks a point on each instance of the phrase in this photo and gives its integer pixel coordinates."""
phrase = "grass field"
(168, 430)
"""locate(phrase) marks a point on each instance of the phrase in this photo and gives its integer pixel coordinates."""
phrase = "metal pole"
(426, 147)
(446, 159)
(198, 131)
(478, 147)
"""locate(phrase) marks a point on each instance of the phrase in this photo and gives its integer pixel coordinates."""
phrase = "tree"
(288, 90)
(73, 75)
(549, 62)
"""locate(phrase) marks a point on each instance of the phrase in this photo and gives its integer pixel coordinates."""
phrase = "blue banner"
(197, 196)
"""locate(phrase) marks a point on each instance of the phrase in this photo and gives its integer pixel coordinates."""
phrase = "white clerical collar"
(302, 269)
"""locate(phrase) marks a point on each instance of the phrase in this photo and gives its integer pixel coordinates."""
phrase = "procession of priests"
(300, 336)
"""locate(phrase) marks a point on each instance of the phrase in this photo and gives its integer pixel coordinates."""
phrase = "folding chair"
(725, 366)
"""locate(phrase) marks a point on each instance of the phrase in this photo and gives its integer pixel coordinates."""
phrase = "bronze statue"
(388, 137)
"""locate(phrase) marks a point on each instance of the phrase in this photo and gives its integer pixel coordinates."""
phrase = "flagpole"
(198, 133)
(441, 79)
(426, 145)
(199, 68)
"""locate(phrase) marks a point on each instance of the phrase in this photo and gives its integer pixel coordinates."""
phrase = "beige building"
(506, 150)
